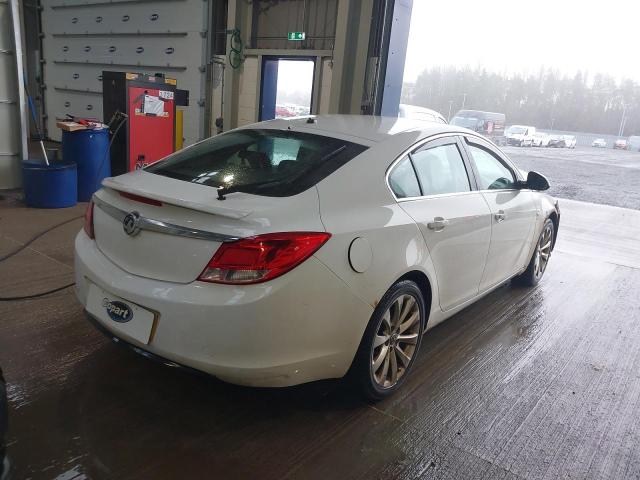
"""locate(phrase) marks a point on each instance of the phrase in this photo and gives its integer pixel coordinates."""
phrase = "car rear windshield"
(275, 163)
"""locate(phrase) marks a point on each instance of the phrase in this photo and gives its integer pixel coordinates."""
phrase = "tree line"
(548, 100)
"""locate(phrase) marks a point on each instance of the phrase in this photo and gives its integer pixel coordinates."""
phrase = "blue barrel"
(89, 150)
(52, 186)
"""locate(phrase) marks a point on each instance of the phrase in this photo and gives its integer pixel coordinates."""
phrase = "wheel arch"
(421, 279)
(556, 224)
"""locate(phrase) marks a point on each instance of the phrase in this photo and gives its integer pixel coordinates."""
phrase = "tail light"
(88, 220)
(261, 258)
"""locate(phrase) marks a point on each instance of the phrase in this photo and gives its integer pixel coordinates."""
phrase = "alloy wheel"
(394, 344)
(543, 251)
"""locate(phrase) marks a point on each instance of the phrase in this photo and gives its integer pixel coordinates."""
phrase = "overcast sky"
(521, 36)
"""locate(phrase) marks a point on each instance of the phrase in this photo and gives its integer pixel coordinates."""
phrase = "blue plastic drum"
(53, 186)
(89, 150)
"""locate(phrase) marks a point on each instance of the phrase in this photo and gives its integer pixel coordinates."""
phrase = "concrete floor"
(527, 383)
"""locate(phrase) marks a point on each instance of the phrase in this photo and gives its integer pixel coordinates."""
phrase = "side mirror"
(536, 181)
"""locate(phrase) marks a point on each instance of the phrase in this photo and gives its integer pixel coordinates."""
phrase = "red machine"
(149, 103)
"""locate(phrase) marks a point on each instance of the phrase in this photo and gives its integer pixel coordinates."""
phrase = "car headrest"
(256, 159)
(287, 165)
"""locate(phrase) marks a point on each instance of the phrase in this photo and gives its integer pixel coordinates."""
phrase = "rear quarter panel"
(355, 202)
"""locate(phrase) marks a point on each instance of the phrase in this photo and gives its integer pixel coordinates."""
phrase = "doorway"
(287, 87)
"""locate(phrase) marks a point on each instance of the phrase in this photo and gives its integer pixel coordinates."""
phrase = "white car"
(414, 112)
(562, 141)
(540, 140)
(599, 143)
(296, 250)
(570, 141)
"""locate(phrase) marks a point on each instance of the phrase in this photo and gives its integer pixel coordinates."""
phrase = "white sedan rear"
(296, 250)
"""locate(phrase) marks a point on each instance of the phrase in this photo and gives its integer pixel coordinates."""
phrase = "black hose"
(22, 247)
(35, 237)
(36, 295)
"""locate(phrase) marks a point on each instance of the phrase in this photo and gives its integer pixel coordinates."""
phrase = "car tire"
(540, 258)
(386, 354)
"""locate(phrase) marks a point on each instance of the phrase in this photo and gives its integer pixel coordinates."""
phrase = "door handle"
(500, 216)
(438, 224)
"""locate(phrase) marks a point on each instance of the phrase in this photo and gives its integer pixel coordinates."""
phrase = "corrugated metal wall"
(83, 38)
(9, 104)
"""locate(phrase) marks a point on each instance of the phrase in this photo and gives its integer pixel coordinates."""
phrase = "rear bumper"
(117, 339)
(303, 326)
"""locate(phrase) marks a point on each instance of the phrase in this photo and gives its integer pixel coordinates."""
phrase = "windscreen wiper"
(223, 191)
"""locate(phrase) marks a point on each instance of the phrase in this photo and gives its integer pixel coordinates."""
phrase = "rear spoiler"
(198, 199)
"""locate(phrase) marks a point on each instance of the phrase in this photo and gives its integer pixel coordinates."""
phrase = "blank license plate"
(120, 315)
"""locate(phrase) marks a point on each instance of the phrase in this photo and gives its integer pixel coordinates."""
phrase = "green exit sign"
(297, 36)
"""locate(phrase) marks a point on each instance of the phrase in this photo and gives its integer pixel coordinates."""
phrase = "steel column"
(396, 56)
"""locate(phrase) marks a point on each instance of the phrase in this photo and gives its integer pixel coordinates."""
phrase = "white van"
(520, 135)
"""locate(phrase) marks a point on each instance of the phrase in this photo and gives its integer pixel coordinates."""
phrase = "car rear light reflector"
(261, 258)
(88, 220)
(141, 199)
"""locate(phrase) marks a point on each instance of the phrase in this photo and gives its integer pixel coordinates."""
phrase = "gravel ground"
(610, 177)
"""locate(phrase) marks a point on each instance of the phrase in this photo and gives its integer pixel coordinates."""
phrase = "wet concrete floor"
(599, 175)
(527, 383)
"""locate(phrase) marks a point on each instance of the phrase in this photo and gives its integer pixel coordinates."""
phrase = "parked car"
(556, 141)
(284, 112)
(634, 142)
(621, 144)
(562, 141)
(296, 250)
(489, 124)
(599, 143)
(520, 135)
(540, 139)
(570, 141)
(420, 113)
(4, 422)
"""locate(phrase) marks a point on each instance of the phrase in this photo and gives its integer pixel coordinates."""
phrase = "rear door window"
(441, 170)
(264, 162)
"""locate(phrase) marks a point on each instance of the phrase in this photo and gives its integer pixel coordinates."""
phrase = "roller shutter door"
(83, 38)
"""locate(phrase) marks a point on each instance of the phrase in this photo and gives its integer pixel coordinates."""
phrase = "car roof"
(367, 127)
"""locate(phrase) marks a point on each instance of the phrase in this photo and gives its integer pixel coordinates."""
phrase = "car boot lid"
(202, 198)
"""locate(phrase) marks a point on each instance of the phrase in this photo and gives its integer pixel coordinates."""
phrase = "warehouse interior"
(221, 52)
(523, 384)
